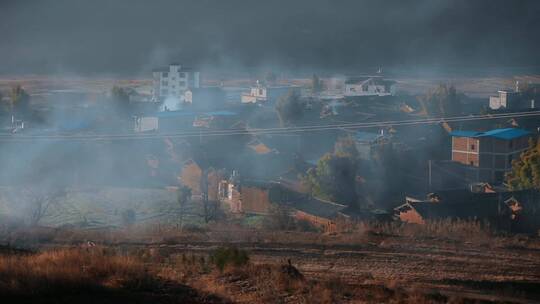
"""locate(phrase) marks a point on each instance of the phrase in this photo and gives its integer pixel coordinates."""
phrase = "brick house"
(513, 210)
(320, 213)
(246, 197)
(489, 154)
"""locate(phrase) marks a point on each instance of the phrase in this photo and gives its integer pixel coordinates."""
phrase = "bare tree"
(39, 200)
(183, 197)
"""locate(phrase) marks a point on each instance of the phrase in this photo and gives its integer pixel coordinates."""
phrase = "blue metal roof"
(507, 134)
(169, 114)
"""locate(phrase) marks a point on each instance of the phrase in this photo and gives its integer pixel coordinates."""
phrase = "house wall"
(411, 216)
(326, 225)
(494, 156)
(255, 200)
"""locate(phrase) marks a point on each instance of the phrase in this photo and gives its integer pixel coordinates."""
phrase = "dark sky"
(130, 36)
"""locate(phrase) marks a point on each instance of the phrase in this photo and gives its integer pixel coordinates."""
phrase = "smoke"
(124, 37)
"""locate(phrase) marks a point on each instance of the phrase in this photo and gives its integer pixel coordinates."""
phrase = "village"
(281, 152)
(324, 152)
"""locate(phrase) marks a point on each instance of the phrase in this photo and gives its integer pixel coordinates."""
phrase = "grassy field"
(464, 263)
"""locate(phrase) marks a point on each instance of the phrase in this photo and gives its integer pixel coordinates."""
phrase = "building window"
(511, 144)
(182, 83)
(471, 163)
(260, 91)
(164, 83)
(182, 75)
(472, 147)
(165, 74)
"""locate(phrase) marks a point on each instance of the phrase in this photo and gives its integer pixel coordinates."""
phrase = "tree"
(183, 195)
(120, 99)
(346, 146)
(19, 101)
(443, 101)
(316, 84)
(39, 200)
(270, 77)
(525, 172)
(290, 107)
(334, 178)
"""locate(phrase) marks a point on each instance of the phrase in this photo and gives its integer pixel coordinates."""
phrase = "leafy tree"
(316, 84)
(270, 77)
(443, 101)
(19, 101)
(120, 99)
(346, 146)
(183, 195)
(525, 172)
(290, 107)
(333, 179)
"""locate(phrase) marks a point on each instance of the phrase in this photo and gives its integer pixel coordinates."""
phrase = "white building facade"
(173, 81)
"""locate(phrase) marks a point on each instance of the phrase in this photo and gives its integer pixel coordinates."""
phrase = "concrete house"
(514, 99)
(489, 154)
(369, 86)
(266, 94)
(173, 81)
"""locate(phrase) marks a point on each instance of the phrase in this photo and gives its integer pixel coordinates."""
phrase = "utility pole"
(429, 175)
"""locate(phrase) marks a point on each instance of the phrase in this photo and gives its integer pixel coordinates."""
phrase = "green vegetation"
(290, 108)
(442, 101)
(316, 84)
(270, 77)
(229, 256)
(120, 99)
(19, 101)
(334, 178)
(525, 172)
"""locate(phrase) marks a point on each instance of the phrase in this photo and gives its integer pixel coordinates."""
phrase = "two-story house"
(489, 154)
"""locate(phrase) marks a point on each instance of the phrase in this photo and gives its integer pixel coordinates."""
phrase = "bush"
(224, 256)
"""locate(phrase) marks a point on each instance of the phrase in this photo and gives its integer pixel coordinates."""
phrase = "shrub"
(224, 256)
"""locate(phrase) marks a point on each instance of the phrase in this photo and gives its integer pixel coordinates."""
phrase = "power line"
(270, 131)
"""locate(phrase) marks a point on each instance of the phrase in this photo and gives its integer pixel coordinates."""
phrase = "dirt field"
(494, 270)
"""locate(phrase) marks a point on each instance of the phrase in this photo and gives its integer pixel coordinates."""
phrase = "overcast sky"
(129, 36)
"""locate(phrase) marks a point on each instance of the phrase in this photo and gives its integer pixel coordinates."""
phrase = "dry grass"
(71, 270)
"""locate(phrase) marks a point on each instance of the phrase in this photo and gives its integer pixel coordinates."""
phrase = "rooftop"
(506, 134)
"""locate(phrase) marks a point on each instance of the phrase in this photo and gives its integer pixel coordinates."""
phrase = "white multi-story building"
(173, 81)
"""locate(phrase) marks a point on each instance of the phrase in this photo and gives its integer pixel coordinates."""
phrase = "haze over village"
(269, 151)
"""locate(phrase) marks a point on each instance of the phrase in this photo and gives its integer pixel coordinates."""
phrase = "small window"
(260, 91)
(472, 147)
(471, 163)
(165, 74)
(511, 144)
